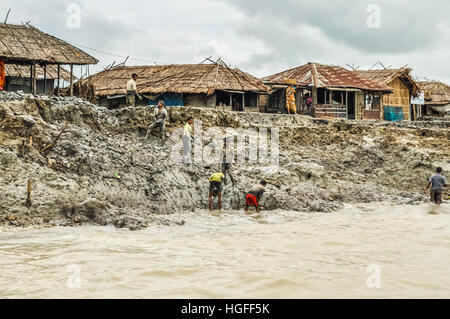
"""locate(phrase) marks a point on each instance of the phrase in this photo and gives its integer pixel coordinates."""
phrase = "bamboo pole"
(29, 193)
(59, 76)
(45, 79)
(34, 79)
(71, 80)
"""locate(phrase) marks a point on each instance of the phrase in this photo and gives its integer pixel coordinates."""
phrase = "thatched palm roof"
(386, 76)
(325, 76)
(436, 93)
(23, 71)
(25, 43)
(185, 78)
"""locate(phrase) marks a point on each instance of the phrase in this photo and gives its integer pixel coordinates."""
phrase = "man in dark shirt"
(437, 182)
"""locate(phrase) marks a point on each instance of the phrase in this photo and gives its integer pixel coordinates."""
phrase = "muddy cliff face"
(102, 171)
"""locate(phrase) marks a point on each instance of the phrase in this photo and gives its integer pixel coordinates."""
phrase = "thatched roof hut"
(437, 98)
(209, 83)
(403, 86)
(203, 78)
(436, 93)
(24, 43)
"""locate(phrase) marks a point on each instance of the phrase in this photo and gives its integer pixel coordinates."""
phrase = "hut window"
(373, 101)
(223, 98)
(250, 99)
(321, 96)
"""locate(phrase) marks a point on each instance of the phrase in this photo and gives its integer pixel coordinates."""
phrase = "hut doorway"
(351, 114)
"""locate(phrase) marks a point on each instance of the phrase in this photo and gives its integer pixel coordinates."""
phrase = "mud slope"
(101, 171)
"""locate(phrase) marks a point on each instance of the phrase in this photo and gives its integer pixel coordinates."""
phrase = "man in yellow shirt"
(215, 189)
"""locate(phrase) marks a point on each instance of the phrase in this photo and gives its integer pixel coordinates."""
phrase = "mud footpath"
(66, 162)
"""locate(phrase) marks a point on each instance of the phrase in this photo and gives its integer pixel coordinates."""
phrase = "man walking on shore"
(132, 90)
(437, 182)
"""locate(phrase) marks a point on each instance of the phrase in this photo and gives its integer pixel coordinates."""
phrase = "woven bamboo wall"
(399, 98)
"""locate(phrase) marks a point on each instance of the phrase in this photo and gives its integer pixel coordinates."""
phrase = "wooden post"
(59, 76)
(31, 77)
(314, 96)
(29, 193)
(231, 101)
(71, 80)
(243, 102)
(45, 79)
(34, 79)
(346, 103)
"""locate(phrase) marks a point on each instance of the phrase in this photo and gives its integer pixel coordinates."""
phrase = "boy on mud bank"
(437, 182)
(254, 196)
(160, 121)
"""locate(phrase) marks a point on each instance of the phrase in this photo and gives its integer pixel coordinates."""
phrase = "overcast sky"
(259, 36)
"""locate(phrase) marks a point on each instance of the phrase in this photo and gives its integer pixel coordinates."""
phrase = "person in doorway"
(254, 196)
(160, 121)
(215, 189)
(309, 101)
(187, 137)
(437, 182)
(132, 90)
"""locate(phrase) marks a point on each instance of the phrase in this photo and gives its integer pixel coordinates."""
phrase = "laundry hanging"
(290, 99)
(2, 75)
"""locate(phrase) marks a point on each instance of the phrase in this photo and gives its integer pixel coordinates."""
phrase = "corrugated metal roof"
(326, 76)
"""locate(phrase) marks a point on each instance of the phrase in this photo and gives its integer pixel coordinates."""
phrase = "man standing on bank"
(437, 182)
(254, 196)
(132, 90)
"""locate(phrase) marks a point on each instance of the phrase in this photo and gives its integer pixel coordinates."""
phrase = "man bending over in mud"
(437, 182)
(215, 189)
(160, 121)
(254, 196)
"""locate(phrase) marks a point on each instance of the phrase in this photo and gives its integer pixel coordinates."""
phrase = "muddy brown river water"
(368, 251)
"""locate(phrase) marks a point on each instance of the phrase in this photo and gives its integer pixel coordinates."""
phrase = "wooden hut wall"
(401, 97)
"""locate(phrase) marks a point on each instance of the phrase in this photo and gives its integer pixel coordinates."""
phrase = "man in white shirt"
(132, 90)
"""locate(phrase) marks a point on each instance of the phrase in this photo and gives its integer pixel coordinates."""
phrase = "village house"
(404, 87)
(437, 99)
(29, 50)
(326, 91)
(18, 78)
(208, 84)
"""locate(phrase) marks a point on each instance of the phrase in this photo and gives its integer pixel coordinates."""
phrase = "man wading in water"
(437, 182)
(215, 189)
(160, 121)
(254, 196)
